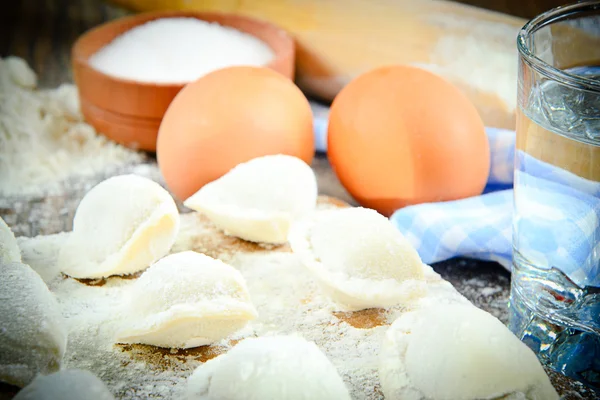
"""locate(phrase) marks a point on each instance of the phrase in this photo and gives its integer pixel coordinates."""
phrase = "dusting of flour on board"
(500, 55)
(287, 299)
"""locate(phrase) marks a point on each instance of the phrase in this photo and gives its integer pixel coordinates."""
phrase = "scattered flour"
(490, 291)
(458, 55)
(41, 254)
(178, 50)
(283, 291)
(44, 141)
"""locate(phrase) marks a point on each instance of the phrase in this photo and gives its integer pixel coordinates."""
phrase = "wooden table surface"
(43, 31)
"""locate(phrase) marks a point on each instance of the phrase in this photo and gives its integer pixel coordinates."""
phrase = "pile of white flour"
(44, 141)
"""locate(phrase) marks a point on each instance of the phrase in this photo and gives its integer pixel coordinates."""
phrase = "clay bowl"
(130, 112)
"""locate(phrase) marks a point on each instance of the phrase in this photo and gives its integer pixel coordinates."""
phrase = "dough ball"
(9, 250)
(187, 300)
(458, 352)
(32, 334)
(268, 368)
(359, 257)
(121, 226)
(71, 384)
(258, 200)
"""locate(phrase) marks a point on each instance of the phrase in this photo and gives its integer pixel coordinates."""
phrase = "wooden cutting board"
(339, 39)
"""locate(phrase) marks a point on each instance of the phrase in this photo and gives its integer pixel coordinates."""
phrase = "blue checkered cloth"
(477, 227)
(557, 217)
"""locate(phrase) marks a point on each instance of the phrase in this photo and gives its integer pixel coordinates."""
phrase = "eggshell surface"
(400, 135)
(228, 117)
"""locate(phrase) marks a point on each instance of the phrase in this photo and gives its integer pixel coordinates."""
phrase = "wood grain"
(520, 8)
(43, 31)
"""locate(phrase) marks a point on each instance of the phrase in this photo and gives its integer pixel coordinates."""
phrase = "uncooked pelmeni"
(268, 368)
(458, 352)
(32, 333)
(186, 300)
(258, 200)
(359, 257)
(70, 384)
(121, 226)
(9, 249)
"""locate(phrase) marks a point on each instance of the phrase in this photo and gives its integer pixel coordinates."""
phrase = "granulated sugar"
(178, 50)
(282, 290)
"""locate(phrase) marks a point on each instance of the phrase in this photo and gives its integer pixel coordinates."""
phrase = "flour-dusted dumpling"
(258, 200)
(359, 257)
(458, 352)
(187, 300)
(70, 384)
(268, 368)
(121, 226)
(32, 333)
(9, 250)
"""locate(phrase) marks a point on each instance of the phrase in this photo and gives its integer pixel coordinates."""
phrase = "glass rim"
(542, 67)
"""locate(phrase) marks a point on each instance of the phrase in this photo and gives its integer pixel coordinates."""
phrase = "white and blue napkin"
(559, 221)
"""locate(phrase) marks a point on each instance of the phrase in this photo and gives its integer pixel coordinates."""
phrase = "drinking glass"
(555, 292)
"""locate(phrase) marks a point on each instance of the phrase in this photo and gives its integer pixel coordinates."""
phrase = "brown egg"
(400, 135)
(227, 117)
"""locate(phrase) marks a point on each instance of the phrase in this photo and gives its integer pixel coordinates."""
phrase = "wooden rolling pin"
(339, 39)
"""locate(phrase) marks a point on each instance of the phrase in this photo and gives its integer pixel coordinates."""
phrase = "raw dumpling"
(32, 333)
(9, 250)
(258, 200)
(268, 368)
(71, 384)
(359, 257)
(187, 300)
(458, 352)
(121, 226)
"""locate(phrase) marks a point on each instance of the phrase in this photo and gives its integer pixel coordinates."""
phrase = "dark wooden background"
(520, 8)
(43, 31)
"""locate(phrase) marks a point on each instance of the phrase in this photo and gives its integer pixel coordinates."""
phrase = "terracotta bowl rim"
(78, 58)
